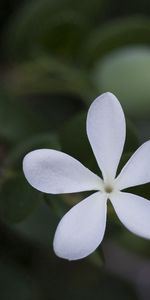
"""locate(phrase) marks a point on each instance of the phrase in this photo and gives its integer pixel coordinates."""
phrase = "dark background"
(56, 56)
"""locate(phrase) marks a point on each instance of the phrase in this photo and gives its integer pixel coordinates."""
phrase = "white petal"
(106, 133)
(133, 211)
(137, 169)
(82, 229)
(55, 172)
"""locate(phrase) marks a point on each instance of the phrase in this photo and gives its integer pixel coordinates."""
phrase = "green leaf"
(61, 280)
(141, 190)
(132, 139)
(23, 118)
(17, 199)
(133, 243)
(56, 26)
(124, 158)
(74, 141)
(86, 281)
(115, 34)
(131, 144)
(97, 258)
(15, 120)
(60, 204)
(49, 76)
(42, 26)
(56, 204)
(126, 73)
(40, 226)
(16, 155)
(16, 283)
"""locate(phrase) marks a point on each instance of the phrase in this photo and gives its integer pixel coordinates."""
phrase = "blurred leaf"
(116, 34)
(141, 190)
(126, 73)
(124, 159)
(15, 121)
(44, 27)
(85, 281)
(40, 226)
(131, 144)
(97, 258)
(56, 204)
(57, 26)
(52, 111)
(132, 140)
(16, 283)
(60, 204)
(48, 75)
(134, 243)
(65, 280)
(22, 118)
(17, 199)
(40, 141)
(119, 9)
(46, 93)
(74, 141)
(113, 229)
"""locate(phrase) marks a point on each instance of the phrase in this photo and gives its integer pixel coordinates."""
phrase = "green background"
(56, 56)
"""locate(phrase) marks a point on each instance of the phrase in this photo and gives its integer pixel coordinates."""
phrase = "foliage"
(56, 56)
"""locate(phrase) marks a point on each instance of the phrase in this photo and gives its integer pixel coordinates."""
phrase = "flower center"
(108, 189)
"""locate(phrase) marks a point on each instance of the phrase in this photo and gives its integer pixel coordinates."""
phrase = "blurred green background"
(56, 56)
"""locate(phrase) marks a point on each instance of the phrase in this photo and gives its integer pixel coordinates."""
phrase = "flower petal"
(106, 133)
(133, 211)
(82, 229)
(55, 172)
(137, 169)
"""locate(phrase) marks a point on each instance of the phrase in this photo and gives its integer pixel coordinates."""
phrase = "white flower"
(82, 229)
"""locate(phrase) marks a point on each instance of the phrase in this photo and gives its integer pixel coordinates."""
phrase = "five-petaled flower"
(82, 229)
